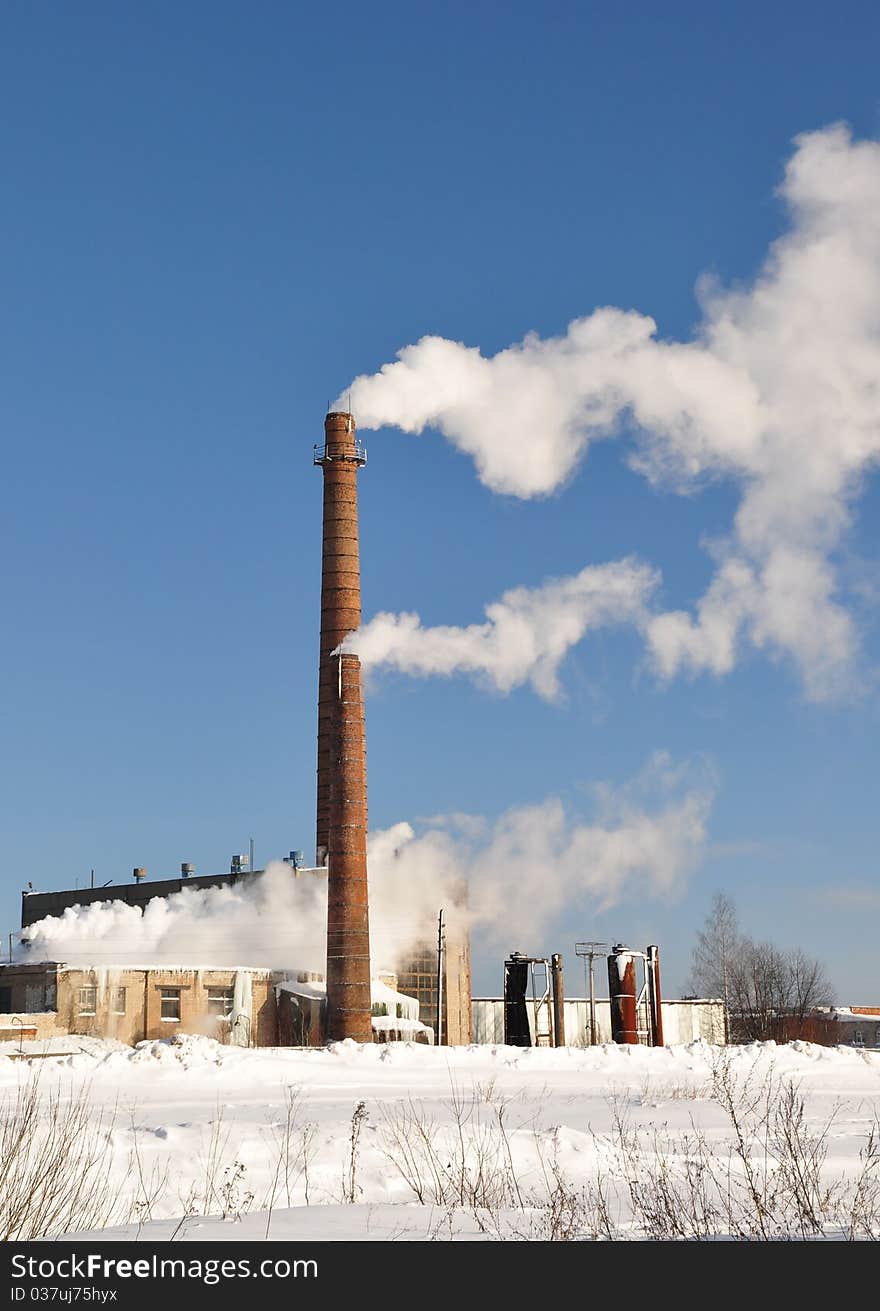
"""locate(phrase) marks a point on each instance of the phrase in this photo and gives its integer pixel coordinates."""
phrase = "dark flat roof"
(37, 905)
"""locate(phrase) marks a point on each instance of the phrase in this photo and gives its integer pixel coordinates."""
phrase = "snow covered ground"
(198, 1140)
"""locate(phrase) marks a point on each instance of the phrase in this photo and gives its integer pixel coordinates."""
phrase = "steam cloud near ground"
(520, 871)
(776, 392)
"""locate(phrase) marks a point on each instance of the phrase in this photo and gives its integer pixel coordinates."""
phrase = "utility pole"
(440, 946)
(589, 951)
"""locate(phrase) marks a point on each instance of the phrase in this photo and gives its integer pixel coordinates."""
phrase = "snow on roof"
(399, 1024)
(380, 994)
(155, 967)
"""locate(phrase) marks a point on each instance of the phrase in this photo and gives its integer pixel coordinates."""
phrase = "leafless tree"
(810, 986)
(715, 950)
(773, 992)
(768, 992)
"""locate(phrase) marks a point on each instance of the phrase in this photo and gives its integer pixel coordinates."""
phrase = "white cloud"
(847, 898)
(777, 391)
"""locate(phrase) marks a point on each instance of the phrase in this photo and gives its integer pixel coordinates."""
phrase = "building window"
(170, 1003)
(87, 1001)
(220, 1002)
(5, 1001)
(858, 1038)
(117, 1002)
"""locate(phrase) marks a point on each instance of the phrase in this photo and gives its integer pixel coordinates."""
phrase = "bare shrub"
(235, 1198)
(766, 1182)
(291, 1143)
(222, 1190)
(350, 1187)
(55, 1159)
(655, 1090)
(151, 1185)
(467, 1163)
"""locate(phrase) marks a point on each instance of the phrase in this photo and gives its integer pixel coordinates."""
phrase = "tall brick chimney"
(341, 834)
(340, 458)
(348, 924)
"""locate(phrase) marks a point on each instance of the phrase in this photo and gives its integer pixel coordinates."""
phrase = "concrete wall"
(683, 1021)
(457, 982)
(15, 1027)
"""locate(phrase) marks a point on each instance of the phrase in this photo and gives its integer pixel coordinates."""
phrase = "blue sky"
(214, 218)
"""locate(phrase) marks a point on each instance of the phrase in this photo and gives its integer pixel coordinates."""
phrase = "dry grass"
(54, 1163)
(764, 1176)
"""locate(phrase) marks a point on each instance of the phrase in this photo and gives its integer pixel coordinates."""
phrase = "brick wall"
(126, 1004)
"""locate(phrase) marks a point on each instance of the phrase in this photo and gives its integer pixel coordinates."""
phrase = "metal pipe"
(654, 998)
(558, 1001)
(622, 994)
(440, 980)
(589, 951)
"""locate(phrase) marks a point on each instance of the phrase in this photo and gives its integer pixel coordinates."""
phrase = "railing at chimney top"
(357, 455)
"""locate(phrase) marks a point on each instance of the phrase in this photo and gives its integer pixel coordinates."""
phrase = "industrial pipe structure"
(534, 1001)
(348, 922)
(652, 969)
(622, 994)
(558, 1000)
(339, 458)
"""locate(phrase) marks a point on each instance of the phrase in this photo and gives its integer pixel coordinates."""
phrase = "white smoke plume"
(525, 636)
(273, 921)
(776, 391)
(518, 871)
(524, 869)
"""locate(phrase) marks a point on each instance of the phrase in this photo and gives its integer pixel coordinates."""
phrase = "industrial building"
(134, 1003)
(683, 1021)
(427, 996)
(857, 1026)
(241, 1007)
(297, 1017)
